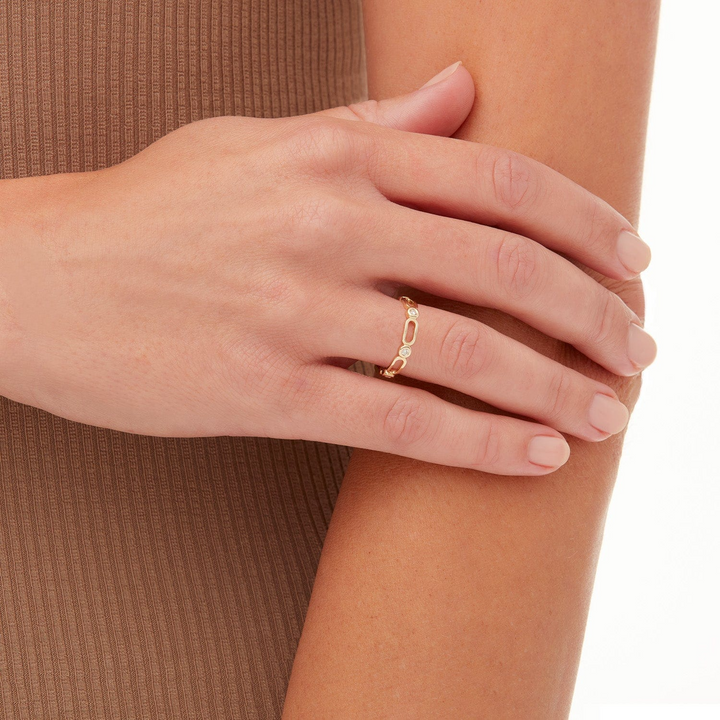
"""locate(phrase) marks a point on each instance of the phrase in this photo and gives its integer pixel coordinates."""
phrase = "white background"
(653, 635)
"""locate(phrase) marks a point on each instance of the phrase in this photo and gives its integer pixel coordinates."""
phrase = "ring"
(403, 353)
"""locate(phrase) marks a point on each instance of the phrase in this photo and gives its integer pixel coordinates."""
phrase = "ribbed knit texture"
(147, 577)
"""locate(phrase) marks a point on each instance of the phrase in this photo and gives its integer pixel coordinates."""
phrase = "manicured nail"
(607, 414)
(548, 451)
(642, 349)
(443, 74)
(634, 254)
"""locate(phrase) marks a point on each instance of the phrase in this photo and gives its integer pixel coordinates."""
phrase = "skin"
(199, 288)
(446, 592)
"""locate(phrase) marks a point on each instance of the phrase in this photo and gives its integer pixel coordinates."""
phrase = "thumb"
(437, 108)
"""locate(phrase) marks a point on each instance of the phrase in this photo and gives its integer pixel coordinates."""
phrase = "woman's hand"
(222, 280)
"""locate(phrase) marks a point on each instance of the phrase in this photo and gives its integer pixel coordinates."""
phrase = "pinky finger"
(360, 411)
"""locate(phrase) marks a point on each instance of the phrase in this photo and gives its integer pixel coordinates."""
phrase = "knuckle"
(308, 226)
(407, 421)
(367, 110)
(322, 134)
(325, 145)
(514, 183)
(604, 318)
(489, 447)
(463, 353)
(516, 265)
(559, 394)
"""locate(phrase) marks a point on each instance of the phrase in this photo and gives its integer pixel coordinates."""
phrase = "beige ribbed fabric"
(147, 577)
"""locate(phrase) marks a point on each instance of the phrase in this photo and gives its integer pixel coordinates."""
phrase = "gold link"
(405, 329)
(411, 319)
(392, 371)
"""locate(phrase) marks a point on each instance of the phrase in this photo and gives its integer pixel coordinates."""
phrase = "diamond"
(405, 351)
(412, 312)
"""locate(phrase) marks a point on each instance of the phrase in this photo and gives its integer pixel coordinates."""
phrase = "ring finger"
(464, 354)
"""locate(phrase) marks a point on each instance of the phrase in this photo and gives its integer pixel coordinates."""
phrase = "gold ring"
(403, 353)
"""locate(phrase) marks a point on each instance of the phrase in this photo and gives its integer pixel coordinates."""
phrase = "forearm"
(445, 592)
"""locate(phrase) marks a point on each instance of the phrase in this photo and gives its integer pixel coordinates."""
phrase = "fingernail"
(642, 349)
(443, 74)
(607, 414)
(634, 254)
(548, 451)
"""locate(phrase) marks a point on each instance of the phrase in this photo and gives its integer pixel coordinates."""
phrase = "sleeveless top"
(148, 577)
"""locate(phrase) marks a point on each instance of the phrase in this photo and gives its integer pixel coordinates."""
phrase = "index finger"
(502, 188)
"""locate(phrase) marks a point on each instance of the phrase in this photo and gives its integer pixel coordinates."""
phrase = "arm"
(445, 592)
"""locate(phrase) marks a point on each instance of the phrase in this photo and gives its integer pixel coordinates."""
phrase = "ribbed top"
(87, 84)
(147, 577)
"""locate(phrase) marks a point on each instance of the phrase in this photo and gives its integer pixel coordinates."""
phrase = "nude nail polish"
(634, 253)
(548, 451)
(443, 74)
(607, 414)
(642, 349)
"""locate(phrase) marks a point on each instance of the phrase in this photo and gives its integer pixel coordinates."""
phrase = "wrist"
(33, 218)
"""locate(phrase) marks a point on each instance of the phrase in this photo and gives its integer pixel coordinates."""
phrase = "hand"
(221, 281)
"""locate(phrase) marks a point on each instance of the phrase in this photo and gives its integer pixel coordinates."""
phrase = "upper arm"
(564, 81)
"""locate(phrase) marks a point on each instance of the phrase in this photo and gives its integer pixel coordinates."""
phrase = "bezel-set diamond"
(412, 312)
(405, 351)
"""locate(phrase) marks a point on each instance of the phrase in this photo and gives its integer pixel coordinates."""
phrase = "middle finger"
(485, 266)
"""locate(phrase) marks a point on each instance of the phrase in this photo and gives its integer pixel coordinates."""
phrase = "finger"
(439, 107)
(485, 266)
(460, 353)
(498, 187)
(377, 414)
